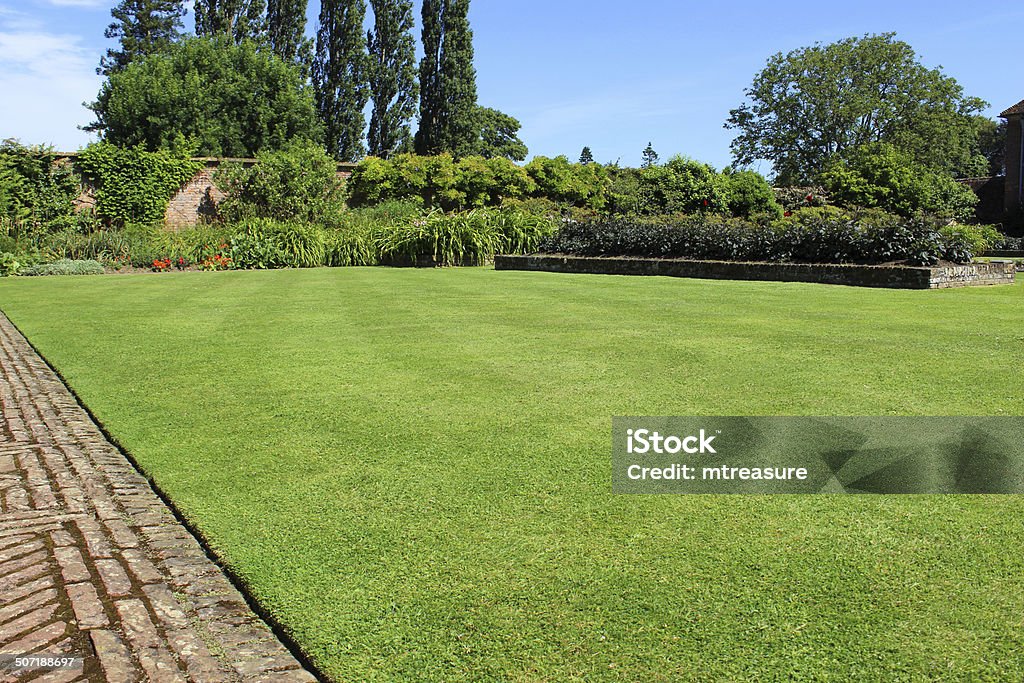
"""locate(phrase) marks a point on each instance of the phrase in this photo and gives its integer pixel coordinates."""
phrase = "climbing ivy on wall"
(133, 185)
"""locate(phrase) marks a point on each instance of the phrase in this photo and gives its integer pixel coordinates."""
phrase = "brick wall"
(197, 200)
(894, 277)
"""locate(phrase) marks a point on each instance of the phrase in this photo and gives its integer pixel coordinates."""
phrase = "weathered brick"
(88, 610)
(27, 622)
(25, 589)
(115, 659)
(141, 567)
(19, 607)
(150, 649)
(114, 577)
(72, 567)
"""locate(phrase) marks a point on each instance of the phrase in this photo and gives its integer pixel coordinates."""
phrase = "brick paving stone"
(94, 564)
(87, 606)
(114, 657)
(72, 565)
(114, 577)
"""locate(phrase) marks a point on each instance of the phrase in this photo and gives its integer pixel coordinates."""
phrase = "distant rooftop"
(1014, 110)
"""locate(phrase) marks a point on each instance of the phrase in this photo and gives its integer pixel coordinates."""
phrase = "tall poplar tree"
(142, 27)
(448, 121)
(286, 27)
(340, 76)
(240, 19)
(392, 76)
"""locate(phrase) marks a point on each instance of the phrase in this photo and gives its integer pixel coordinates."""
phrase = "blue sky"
(610, 75)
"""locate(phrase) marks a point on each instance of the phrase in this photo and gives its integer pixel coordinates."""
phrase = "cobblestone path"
(94, 565)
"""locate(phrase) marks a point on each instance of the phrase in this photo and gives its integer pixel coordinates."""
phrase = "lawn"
(411, 468)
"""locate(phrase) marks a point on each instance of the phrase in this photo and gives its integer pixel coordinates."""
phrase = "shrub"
(583, 185)
(794, 198)
(133, 185)
(815, 238)
(9, 264)
(437, 181)
(299, 183)
(977, 238)
(684, 186)
(880, 175)
(65, 267)
(749, 194)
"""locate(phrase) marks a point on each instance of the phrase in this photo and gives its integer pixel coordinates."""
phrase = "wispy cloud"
(81, 3)
(45, 77)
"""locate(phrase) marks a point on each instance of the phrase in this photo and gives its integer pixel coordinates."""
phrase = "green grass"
(411, 468)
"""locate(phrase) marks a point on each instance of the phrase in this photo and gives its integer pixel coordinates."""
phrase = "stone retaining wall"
(896, 277)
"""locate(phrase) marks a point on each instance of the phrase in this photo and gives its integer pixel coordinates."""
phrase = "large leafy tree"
(142, 27)
(340, 76)
(448, 110)
(810, 105)
(231, 100)
(498, 135)
(392, 76)
(240, 19)
(992, 144)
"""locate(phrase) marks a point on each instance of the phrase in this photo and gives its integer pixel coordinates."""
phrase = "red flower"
(810, 198)
(705, 202)
(788, 214)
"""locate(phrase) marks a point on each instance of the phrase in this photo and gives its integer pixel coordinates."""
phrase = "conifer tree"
(142, 27)
(392, 77)
(586, 156)
(650, 157)
(340, 76)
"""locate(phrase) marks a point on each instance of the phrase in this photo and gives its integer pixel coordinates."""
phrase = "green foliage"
(499, 135)
(681, 186)
(36, 190)
(133, 185)
(557, 179)
(977, 238)
(394, 89)
(9, 264)
(750, 194)
(878, 174)
(286, 27)
(65, 267)
(438, 181)
(795, 197)
(268, 244)
(814, 103)
(461, 239)
(340, 76)
(232, 100)
(448, 108)
(650, 157)
(234, 20)
(814, 236)
(992, 145)
(299, 183)
(142, 27)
